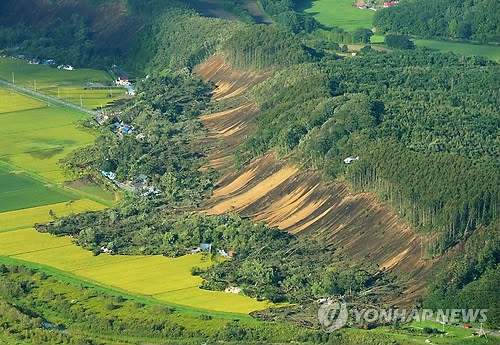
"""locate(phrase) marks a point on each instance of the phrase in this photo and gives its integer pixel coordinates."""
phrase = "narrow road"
(43, 97)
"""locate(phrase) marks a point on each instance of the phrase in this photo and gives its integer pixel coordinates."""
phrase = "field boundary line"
(45, 98)
(59, 185)
(68, 276)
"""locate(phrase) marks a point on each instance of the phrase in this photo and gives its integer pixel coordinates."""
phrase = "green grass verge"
(468, 49)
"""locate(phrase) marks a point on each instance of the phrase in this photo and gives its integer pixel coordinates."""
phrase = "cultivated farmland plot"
(36, 139)
(17, 191)
(165, 279)
(67, 85)
(341, 13)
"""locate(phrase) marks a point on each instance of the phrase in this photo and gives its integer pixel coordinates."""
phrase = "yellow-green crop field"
(36, 139)
(12, 101)
(89, 98)
(489, 51)
(67, 85)
(166, 279)
(21, 219)
(341, 13)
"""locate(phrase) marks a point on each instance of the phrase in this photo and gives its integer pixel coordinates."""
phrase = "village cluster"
(362, 5)
(140, 185)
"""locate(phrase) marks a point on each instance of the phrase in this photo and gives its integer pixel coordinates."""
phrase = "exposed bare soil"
(300, 201)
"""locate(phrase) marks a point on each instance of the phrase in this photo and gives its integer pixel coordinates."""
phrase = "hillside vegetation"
(407, 120)
(476, 20)
(422, 130)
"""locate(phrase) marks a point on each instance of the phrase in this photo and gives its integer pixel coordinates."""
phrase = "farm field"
(18, 191)
(468, 49)
(340, 13)
(67, 85)
(165, 279)
(90, 99)
(36, 139)
(12, 101)
(25, 218)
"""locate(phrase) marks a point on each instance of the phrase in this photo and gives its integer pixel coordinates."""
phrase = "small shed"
(206, 247)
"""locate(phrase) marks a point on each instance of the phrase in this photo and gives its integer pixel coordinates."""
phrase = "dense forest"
(406, 116)
(469, 277)
(476, 20)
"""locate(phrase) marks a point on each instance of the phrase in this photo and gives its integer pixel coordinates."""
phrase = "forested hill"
(424, 125)
(81, 33)
(477, 20)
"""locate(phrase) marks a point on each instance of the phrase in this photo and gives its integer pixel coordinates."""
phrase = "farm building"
(109, 174)
(390, 4)
(122, 81)
(130, 90)
(206, 247)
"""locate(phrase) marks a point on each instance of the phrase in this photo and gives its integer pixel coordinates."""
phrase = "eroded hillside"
(300, 201)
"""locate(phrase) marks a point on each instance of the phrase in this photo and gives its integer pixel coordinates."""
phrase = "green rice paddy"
(19, 191)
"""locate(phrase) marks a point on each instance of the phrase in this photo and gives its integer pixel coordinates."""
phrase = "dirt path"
(44, 98)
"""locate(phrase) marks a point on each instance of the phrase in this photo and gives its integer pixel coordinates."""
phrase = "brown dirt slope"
(229, 125)
(301, 201)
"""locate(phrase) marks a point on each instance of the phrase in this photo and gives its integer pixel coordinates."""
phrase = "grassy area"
(341, 13)
(468, 49)
(90, 99)
(413, 333)
(67, 85)
(12, 101)
(95, 190)
(165, 279)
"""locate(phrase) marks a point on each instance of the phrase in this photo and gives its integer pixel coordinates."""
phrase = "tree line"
(470, 20)
(412, 117)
